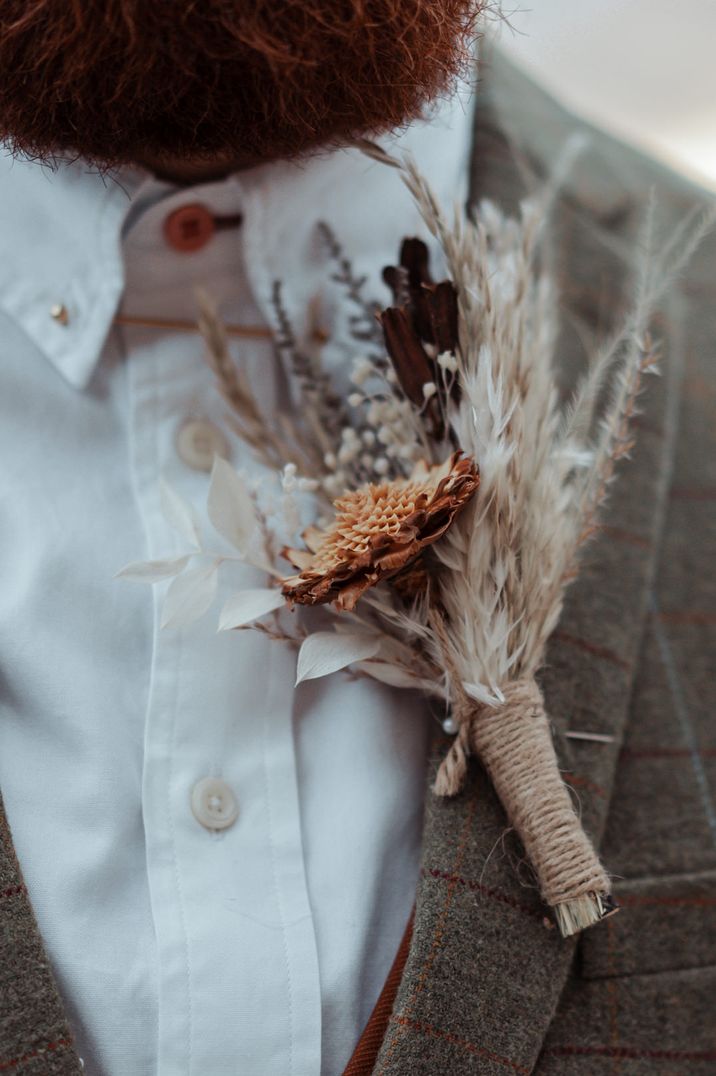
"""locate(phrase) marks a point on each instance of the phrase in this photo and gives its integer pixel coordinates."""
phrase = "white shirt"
(182, 950)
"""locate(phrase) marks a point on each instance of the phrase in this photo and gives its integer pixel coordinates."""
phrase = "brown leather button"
(189, 228)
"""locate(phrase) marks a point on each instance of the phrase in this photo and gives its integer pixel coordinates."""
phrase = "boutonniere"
(437, 511)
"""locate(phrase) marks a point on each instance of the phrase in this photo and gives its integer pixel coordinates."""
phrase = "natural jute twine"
(514, 743)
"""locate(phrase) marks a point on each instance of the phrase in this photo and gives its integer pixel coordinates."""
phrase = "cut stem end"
(582, 912)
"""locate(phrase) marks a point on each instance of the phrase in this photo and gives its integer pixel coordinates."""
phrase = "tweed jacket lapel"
(485, 968)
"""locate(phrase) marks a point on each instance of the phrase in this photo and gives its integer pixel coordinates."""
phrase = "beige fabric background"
(642, 68)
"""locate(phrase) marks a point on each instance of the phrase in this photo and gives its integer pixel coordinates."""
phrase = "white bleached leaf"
(230, 506)
(326, 652)
(153, 571)
(393, 675)
(248, 605)
(189, 596)
(179, 514)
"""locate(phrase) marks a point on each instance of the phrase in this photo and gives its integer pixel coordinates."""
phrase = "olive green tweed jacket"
(488, 987)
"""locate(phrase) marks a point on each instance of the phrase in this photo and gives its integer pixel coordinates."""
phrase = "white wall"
(644, 68)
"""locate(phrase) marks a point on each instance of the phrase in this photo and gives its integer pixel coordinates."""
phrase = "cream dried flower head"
(378, 530)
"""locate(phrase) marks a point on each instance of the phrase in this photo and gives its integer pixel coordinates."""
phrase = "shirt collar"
(61, 277)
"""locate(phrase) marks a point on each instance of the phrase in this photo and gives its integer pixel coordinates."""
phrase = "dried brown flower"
(431, 307)
(378, 530)
(412, 581)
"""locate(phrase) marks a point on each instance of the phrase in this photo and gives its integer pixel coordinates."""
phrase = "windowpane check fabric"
(488, 988)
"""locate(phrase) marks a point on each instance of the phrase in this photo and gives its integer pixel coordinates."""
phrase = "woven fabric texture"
(35, 1037)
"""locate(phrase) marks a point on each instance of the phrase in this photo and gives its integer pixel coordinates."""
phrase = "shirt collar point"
(69, 334)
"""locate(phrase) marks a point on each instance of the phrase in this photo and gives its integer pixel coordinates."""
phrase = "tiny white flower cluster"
(292, 482)
(447, 361)
(295, 506)
(389, 440)
(363, 370)
(387, 444)
(382, 442)
(384, 439)
(341, 464)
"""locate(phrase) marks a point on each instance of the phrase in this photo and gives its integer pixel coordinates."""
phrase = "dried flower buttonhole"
(476, 542)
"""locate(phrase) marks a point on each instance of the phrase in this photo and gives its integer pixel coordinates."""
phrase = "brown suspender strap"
(365, 1054)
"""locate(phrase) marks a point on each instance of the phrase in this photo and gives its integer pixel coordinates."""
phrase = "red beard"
(252, 79)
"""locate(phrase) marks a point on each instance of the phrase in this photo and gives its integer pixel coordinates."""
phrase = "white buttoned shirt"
(222, 866)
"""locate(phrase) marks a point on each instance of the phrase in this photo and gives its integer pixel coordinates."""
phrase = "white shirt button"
(213, 803)
(198, 441)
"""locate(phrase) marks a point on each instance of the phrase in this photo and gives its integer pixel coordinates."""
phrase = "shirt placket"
(237, 972)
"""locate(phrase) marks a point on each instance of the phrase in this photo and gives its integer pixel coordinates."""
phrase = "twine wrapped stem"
(514, 743)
